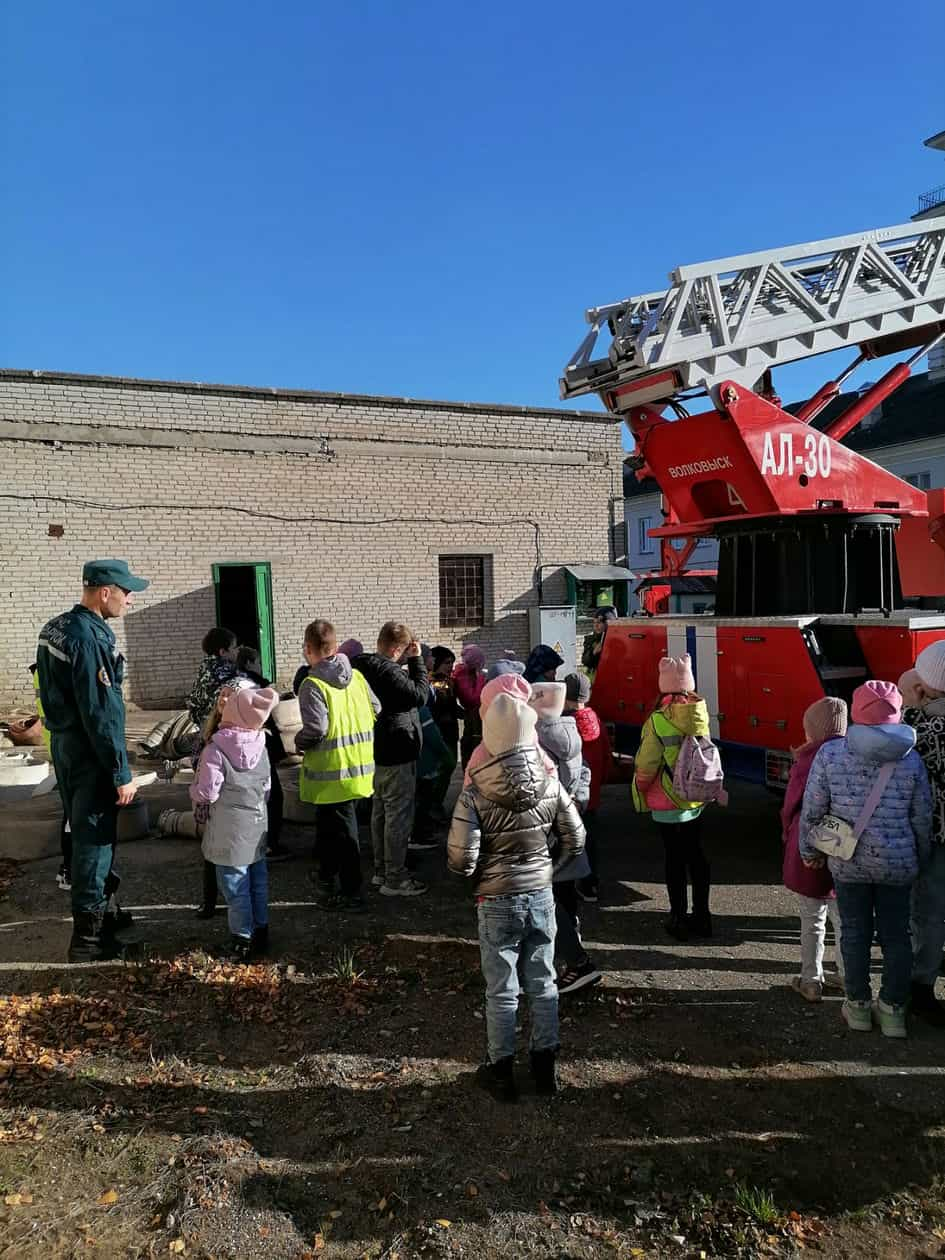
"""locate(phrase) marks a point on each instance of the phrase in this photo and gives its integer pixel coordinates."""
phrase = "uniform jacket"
(233, 778)
(929, 726)
(397, 737)
(809, 882)
(896, 841)
(500, 828)
(80, 676)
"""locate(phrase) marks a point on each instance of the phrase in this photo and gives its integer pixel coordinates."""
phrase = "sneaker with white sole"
(377, 880)
(858, 1016)
(409, 888)
(579, 977)
(891, 1019)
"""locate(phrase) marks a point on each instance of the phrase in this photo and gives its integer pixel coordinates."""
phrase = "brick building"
(265, 508)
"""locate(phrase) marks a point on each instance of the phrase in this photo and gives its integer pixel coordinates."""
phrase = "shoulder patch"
(104, 678)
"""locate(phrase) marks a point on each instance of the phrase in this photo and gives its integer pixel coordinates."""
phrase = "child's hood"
(333, 670)
(559, 737)
(242, 748)
(890, 742)
(691, 717)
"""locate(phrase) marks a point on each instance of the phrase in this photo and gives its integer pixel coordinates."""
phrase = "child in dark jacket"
(824, 720)
(499, 839)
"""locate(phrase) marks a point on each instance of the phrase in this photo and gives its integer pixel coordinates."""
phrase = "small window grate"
(462, 590)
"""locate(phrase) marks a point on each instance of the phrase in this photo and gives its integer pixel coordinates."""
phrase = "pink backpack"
(697, 775)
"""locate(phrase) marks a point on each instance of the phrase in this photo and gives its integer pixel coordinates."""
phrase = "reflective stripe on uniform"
(334, 776)
(54, 651)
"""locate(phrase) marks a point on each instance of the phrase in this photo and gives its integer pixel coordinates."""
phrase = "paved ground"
(692, 1068)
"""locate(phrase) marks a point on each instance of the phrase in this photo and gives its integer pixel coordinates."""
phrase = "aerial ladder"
(819, 548)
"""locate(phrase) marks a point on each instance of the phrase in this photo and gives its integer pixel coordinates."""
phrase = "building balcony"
(931, 200)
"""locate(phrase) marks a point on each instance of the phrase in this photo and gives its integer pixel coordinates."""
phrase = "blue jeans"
(245, 890)
(928, 918)
(884, 907)
(517, 937)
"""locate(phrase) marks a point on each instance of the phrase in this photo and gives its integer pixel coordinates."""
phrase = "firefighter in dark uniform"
(80, 676)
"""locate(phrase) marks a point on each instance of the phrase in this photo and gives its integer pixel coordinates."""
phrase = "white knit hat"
(507, 723)
(930, 665)
(548, 698)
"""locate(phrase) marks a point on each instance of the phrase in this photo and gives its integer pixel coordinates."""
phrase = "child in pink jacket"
(468, 682)
(825, 719)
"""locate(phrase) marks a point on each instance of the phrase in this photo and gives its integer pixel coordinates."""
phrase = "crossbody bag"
(834, 836)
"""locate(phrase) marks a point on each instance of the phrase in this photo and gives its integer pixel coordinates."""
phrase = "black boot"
(260, 940)
(926, 1005)
(499, 1079)
(700, 923)
(678, 927)
(116, 919)
(89, 942)
(543, 1071)
(239, 949)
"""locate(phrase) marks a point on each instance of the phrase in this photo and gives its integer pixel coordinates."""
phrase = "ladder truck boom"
(736, 318)
(821, 551)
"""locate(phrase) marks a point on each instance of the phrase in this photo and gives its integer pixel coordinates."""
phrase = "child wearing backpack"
(824, 720)
(679, 723)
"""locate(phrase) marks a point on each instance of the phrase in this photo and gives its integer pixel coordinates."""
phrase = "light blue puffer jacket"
(897, 840)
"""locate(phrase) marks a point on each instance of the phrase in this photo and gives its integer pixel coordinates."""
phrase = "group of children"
(864, 846)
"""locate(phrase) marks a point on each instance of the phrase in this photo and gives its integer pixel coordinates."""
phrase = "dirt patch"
(324, 1104)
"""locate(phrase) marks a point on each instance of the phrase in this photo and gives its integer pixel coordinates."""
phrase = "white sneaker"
(891, 1019)
(409, 888)
(858, 1016)
(377, 880)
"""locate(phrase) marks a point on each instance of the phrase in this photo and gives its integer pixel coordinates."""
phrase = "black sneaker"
(277, 853)
(498, 1079)
(699, 924)
(678, 927)
(925, 1005)
(587, 889)
(239, 949)
(543, 1071)
(206, 912)
(341, 902)
(260, 940)
(579, 977)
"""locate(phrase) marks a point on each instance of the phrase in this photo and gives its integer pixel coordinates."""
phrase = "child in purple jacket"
(816, 901)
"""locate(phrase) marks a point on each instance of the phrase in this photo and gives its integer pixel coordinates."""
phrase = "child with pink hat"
(926, 715)
(811, 881)
(468, 681)
(678, 713)
(873, 780)
(230, 790)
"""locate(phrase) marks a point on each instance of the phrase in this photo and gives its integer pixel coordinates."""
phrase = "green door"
(244, 605)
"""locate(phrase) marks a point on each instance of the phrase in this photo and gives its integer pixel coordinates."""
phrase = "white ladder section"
(736, 317)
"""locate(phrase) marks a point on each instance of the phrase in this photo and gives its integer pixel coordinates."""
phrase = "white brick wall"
(356, 574)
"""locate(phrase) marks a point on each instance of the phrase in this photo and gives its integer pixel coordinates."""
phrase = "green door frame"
(262, 574)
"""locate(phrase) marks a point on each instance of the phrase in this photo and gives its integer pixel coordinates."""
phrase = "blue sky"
(422, 198)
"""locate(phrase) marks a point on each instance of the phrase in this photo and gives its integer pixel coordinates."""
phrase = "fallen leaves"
(108, 1197)
(21, 1199)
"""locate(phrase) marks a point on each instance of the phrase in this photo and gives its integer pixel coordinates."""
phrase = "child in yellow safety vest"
(679, 712)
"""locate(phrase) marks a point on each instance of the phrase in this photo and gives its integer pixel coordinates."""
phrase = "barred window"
(462, 590)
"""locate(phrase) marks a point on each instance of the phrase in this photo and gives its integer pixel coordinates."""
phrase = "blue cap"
(112, 573)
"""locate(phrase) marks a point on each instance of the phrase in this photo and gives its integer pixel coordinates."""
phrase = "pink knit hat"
(473, 656)
(250, 708)
(877, 703)
(676, 674)
(930, 665)
(548, 699)
(824, 719)
(505, 685)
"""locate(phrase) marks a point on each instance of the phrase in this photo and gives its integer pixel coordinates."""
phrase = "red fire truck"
(825, 559)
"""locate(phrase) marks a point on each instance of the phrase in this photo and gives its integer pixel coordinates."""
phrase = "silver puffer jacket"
(501, 823)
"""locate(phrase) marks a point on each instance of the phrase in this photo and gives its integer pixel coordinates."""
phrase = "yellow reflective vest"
(341, 766)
